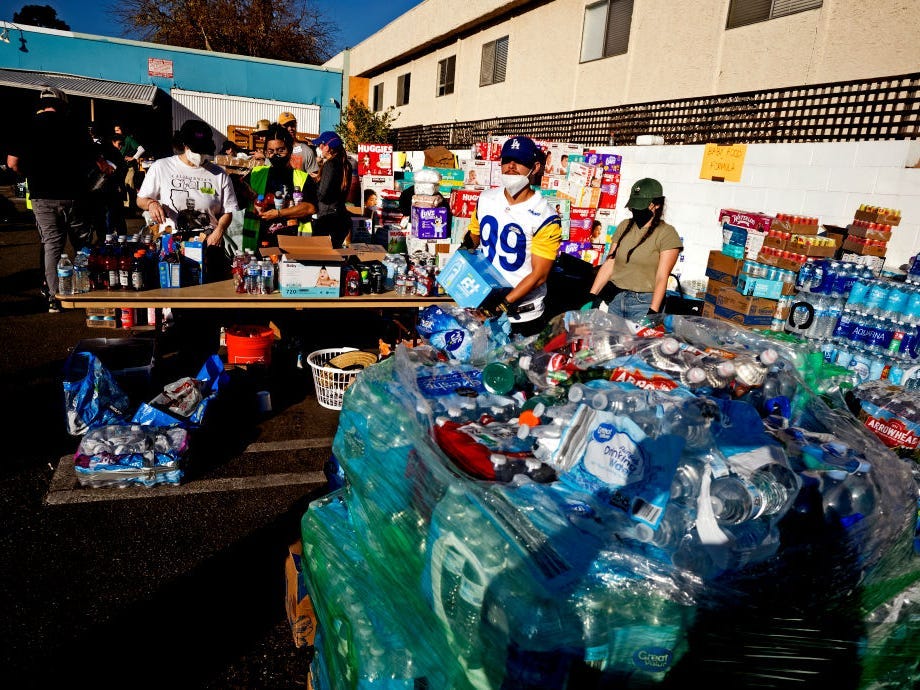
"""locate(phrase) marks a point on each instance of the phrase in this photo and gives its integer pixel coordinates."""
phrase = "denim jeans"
(59, 220)
(631, 305)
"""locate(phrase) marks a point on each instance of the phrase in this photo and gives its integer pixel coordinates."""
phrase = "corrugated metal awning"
(73, 85)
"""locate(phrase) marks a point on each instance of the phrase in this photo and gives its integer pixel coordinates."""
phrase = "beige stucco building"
(447, 60)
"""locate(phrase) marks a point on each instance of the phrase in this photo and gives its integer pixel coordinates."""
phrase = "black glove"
(496, 304)
(653, 312)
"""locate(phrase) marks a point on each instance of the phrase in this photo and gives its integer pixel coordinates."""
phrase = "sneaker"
(54, 307)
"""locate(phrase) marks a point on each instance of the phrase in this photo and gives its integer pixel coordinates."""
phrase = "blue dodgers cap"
(330, 139)
(521, 150)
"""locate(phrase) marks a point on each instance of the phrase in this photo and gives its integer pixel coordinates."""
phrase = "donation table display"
(222, 295)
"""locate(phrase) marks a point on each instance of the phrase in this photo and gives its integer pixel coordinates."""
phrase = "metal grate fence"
(863, 110)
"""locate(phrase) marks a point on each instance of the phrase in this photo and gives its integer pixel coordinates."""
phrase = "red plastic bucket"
(249, 344)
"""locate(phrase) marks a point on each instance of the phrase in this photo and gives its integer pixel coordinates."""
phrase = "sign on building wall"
(159, 67)
(723, 163)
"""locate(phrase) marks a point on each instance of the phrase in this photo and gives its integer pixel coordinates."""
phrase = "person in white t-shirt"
(193, 195)
(187, 191)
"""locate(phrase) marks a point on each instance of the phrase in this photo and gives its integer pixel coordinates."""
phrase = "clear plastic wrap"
(688, 525)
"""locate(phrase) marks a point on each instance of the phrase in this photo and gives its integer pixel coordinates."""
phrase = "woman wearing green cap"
(634, 278)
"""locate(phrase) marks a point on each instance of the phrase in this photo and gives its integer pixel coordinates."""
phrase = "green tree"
(361, 125)
(295, 31)
(40, 15)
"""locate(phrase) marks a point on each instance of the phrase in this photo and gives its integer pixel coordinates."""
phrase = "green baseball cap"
(644, 192)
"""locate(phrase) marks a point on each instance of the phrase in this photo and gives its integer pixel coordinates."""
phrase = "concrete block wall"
(825, 180)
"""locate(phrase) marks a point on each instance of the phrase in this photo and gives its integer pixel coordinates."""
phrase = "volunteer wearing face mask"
(188, 182)
(518, 232)
(634, 278)
(263, 223)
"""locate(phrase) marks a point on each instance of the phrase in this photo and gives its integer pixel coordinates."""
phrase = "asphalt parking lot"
(161, 587)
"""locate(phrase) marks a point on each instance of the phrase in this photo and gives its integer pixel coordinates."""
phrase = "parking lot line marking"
(297, 444)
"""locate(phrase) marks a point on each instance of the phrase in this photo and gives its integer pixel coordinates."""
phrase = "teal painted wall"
(194, 70)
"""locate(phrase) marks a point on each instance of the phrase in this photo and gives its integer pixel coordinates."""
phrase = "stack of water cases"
(609, 506)
(858, 321)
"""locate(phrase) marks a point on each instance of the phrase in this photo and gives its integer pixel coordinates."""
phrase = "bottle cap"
(498, 378)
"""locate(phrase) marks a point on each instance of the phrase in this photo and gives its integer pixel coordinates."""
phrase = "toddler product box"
(375, 159)
(469, 279)
(476, 173)
(309, 267)
(463, 202)
(430, 223)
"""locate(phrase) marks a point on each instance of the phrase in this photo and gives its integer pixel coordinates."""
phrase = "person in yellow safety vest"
(288, 195)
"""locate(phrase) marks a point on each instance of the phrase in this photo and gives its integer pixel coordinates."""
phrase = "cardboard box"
(302, 258)
(430, 223)
(463, 202)
(750, 220)
(865, 247)
(872, 214)
(796, 225)
(802, 244)
(882, 233)
(375, 159)
(300, 612)
(476, 173)
(364, 252)
(722, 268)
(727, 303)
(470, 279)
(763, 287)
(790, 264)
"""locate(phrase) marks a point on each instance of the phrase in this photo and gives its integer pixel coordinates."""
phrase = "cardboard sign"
(375, 159)
(723, 163)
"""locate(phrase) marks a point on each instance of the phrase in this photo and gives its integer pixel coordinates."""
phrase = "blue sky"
(356, 19)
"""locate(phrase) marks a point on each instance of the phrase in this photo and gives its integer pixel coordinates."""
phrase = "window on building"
(743, 12)
(606, 29)
(402, 89)
(378, 97)
(446, 69)
(494, 62)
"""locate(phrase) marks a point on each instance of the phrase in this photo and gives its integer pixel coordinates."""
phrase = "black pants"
(334, 225)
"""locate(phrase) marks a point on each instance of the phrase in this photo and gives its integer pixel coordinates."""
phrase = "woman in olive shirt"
(634, 278)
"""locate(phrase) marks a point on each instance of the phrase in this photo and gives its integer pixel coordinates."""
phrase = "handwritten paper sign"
(723, 163)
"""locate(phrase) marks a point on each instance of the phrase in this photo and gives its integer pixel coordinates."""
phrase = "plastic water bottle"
(769, 491)
(876, 298)
(896, 304)
(856, 298)
(268, 277)
(65, 275)
(81, 271)
(805, 278)
(912, 310)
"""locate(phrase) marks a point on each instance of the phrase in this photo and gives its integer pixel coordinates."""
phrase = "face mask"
(641, 216)
(279, 161)
(194, 159)
(513, 184)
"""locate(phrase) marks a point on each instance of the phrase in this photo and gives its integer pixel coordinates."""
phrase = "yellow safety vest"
(258, 179)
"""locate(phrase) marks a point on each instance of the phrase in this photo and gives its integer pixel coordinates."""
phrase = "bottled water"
(805, 278)
(65, 275)
(876, 298)
(769, 491)
(81, 283)
(912, 310)
(896, 304)
(594, 611)
(751, 372)
(664, 354)
(857, 296)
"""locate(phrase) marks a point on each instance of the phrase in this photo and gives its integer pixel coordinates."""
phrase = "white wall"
(827, 181)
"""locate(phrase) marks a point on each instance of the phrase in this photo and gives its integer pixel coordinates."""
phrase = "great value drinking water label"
(625, 467)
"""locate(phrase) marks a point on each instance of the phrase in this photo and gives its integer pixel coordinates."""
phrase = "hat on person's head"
(521, 150)
(286, 117)
(197, 136)
(262, 126)
(330, 139)
(50, 96)
(644, 192)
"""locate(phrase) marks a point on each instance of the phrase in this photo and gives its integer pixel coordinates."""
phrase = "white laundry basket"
(331, 382)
